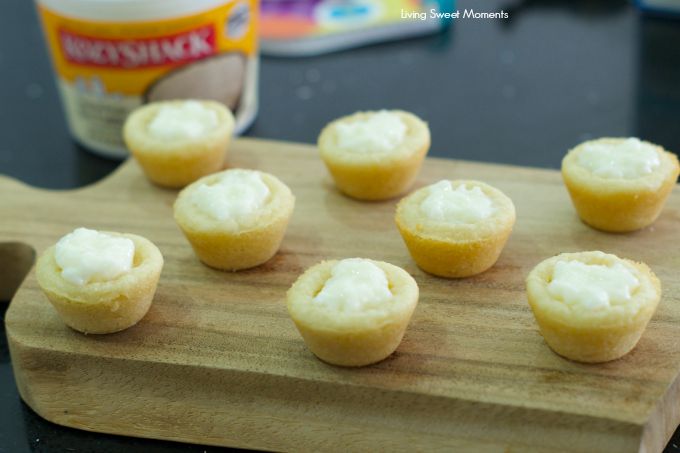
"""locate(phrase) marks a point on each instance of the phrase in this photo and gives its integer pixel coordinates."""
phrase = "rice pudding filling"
(459, 205)
(186, 120)
(628, 159)
(85, 256)
(382, 131)
(235, 198)
(592, 286)
(356, 285)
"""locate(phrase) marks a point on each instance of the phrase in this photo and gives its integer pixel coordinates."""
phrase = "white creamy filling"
(86, 256)
(237, 196)
(628, 159)
(381, 131)
(460, 205)
(592, 286)
(186, 120)
(356, 285)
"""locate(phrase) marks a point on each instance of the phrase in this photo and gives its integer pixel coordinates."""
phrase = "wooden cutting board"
(217, 360)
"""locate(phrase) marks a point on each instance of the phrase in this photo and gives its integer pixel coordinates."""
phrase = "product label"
(129, 54)
(105, 69)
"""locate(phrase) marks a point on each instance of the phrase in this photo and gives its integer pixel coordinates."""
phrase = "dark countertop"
(521, 92)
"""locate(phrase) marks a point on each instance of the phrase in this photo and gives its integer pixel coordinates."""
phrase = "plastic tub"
(110, 56)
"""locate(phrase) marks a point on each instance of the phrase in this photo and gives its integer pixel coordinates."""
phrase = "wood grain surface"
(218, 361)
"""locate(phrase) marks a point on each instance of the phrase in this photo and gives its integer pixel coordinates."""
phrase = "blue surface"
(659, 11)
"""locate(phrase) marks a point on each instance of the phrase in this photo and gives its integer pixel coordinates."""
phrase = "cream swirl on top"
(234, 199)
(381, 131)
(86, 256)
(186, 120)
(592, 286)
(355, 285)
(630, 158)
(459, 205)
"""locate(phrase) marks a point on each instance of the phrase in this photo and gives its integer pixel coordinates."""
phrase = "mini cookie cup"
(230, 249)
(455, 250)
(176, 163)
(356, 339)
(592, 336)
(619, 205)
(375, 176)
(108, 306)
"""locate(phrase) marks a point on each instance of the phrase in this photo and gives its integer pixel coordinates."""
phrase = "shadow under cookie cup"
(109, 306)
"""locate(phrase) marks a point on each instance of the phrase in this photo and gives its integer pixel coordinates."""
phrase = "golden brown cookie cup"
(587, 336)
(376, 175)
(351, 340)
(619, 205)
(228, 249)
(176, 163)
(109, 306)
(455, 250)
